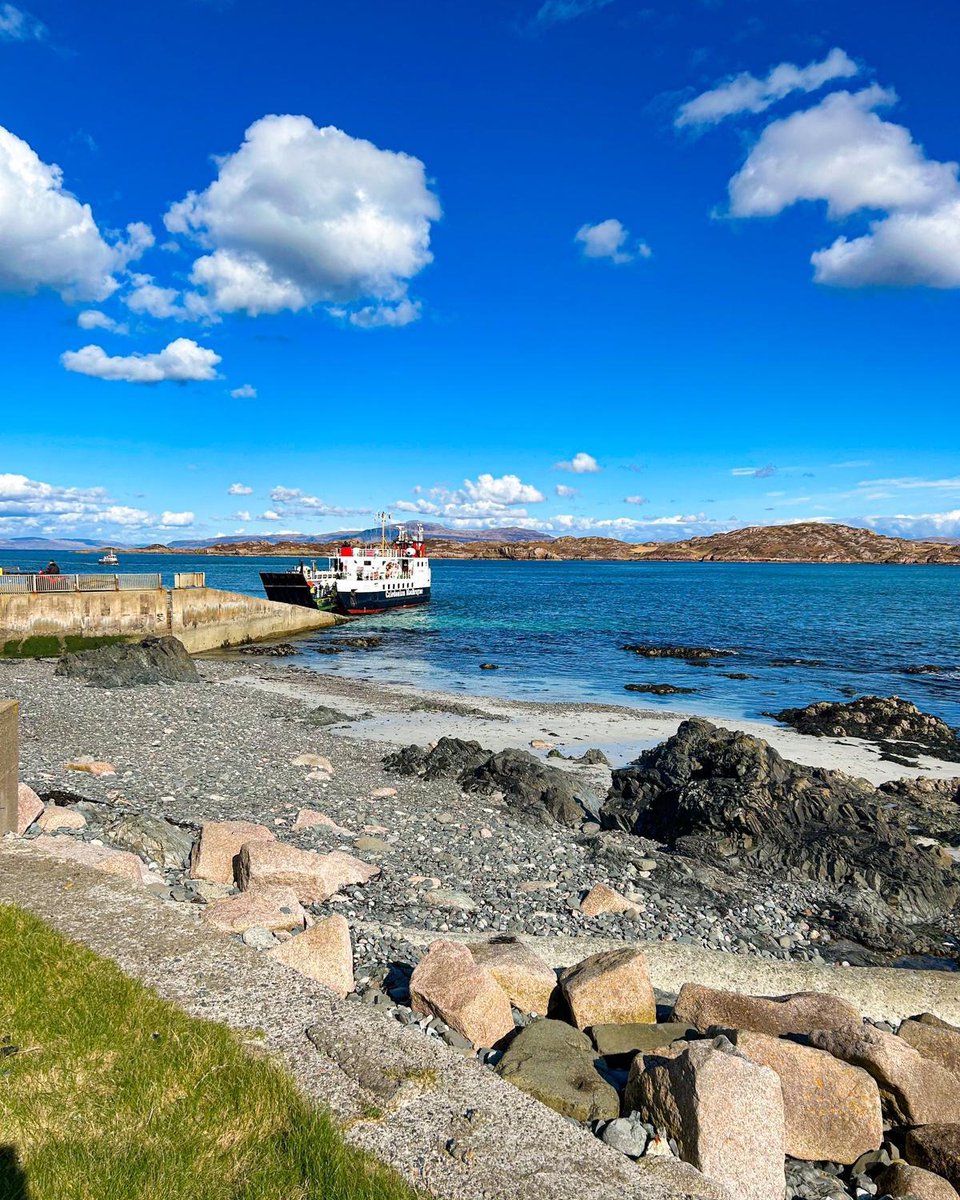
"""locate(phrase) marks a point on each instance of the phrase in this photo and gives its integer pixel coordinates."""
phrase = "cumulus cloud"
(48, 239)
(160, 302)
(19, 26)
(635, 500)
(176, 520)
(381, 316)
(181, 360)
(564, 491)
(917, 525)
(92, 318)
(843, 153)
(609, 239)
(580, 464)
(301, 214)
(492, 498)
(746, 93)
(270, 515)
(53, 509)
(240, 489)
(246, 391)
(296, 502)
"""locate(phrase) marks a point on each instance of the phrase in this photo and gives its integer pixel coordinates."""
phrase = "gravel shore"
(223, 749)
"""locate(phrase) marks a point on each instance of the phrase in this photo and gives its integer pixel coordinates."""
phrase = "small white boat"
(109, 559)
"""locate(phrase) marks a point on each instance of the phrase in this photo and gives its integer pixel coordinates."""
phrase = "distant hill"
(29, 543)
(431, 531)
(809, 542)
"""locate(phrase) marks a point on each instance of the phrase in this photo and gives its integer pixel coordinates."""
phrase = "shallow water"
(554, 630)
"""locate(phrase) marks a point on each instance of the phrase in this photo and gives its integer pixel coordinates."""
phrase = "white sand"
(621, 733)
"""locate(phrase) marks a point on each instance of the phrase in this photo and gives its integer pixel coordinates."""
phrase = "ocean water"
(555, 630)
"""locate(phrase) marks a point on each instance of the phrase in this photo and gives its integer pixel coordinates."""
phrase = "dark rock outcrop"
(685, 652)
(659, 689)
(154, 660)
(449, 758)
(712, 792)
(879, 719)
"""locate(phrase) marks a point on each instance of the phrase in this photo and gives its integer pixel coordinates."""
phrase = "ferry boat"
(359, 580)
(109, 559)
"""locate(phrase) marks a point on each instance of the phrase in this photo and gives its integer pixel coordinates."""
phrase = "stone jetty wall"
(202, 618)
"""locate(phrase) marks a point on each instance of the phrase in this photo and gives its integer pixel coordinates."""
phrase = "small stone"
(383, 793)
(270, 908)
(218, 846)
(29, 808)
(610, 988)
(450, 900)
(540, 744)
(309, 818)
(604, 899)
(318, 761)
(448, 984)
(91, 767)
(626, 1134)
(368, 844)
(259, 938)
(323, 953)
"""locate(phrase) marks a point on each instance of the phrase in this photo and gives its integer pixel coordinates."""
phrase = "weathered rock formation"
(878, 719)
(154, 660)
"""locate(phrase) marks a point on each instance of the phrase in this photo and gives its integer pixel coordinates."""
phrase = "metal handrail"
(33, 584)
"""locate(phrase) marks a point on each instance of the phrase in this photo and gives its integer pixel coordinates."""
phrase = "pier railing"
(29, 584)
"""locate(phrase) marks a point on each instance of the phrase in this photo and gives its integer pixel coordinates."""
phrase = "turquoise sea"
(554, 630)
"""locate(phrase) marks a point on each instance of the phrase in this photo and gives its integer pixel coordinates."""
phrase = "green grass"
(109, 1093)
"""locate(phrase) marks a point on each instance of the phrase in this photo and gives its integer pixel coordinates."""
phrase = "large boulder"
(832, 1109)
(314, 877)
(448, 984)
(529, 982)
(936, 1148)
(940, 1042)
(901, 1180)
(915, 1090)
(877, 718)
(29, 808)
(158, 840)
(154, 660)
(532, 789)
(801, 1012)
(554, 1063)
(219, 845)
(446, 760)
(609, 988)
(724, 1111)
(322, 952)
(615, 1042)
(710, 791)
(102, 858)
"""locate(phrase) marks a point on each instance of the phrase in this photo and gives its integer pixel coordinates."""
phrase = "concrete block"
(9, 765)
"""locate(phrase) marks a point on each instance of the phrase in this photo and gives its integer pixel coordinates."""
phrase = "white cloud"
(92, 318)
(910, 482)
(296, 502)
(242, 515)
(245, 392)
(608, 239)
(635, 500)
(181, 360)
(239, 489)
(843, 153)
(564, 491)
(918, 525)
(755, 472)
(175, 520)
(48, 239)
(507, 489)
(557, 12)
(580, 464)
(301, 214)
(746, 93)
(270, 515)
(19, 26)
(387, 315)
(840, 151)
(160, 302)
(52, 509)
(487, 499)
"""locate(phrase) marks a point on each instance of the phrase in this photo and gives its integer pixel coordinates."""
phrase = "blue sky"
(639, 269)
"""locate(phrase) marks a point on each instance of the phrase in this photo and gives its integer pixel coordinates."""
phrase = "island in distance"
(808, 542)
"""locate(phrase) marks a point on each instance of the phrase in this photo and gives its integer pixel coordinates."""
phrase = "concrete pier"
(48, 623)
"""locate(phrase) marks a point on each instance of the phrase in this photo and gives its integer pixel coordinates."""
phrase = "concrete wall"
(9, 765)
(203, 619)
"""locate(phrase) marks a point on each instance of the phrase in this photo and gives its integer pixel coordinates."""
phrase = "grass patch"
(109, 1093)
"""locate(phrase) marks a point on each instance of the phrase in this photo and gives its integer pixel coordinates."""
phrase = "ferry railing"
(189, 579)
(36, 584)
